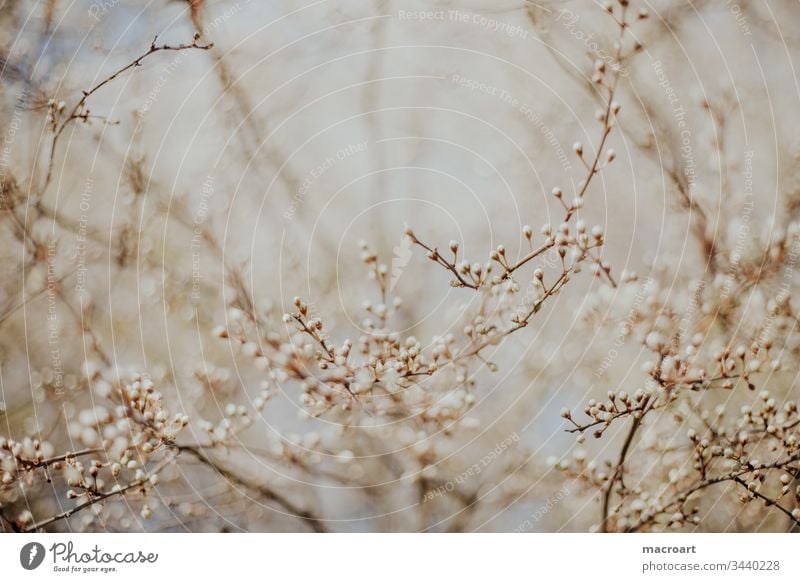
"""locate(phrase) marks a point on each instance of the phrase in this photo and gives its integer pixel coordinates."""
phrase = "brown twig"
(79, 111)
(310, 519)
(98, 497)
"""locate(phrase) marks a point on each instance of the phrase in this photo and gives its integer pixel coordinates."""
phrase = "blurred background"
(260, 165)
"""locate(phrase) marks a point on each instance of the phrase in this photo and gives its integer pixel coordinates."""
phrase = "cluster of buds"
(143, 406)
(475, 276)
(619, 405)
(465, 273)
(755, 451)
(381, 374)
(379, 272)
(20, 458)
(121, 442)
(234, 419)
(55, 110)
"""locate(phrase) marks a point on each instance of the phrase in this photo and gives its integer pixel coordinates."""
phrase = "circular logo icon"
(31, 555)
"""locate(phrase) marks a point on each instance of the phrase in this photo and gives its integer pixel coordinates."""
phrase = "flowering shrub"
(692, 357)
(160, 398)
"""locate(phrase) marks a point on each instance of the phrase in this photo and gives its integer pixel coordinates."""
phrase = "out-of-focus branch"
(97, 498)
(314, 522)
